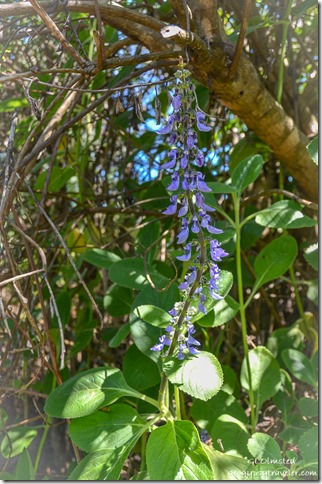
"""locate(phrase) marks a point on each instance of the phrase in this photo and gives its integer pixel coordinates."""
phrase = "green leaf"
(311, 255)
(104, 464)
(218, 187)
(309, 407)
(16, 440)
(275, 259)
(295, 428)
(174, 452)
(231, 382)
(145, 336)
(118, 301)
(233, 436)
(153, 315)
(58, 178)
(283, 338)
(246, 172)
(309, 445)
(24, 470)
(206, 413)
(265, 374)
(100, 258)
(122, 333)
(12, 104)
(147, 237)
(164, 300)
(285, 214)
(88, 391)
(228, 467)
(263, 446)
(224, 310)
(313, 146)
(111, 429)
(139, 371)
(285, 399)
(300, 366)
(200, 376)
(132, 273)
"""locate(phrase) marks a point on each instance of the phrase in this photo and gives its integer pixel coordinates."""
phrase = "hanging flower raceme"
(184, 161)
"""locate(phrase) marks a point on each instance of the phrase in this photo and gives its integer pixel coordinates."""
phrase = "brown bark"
(210, 56)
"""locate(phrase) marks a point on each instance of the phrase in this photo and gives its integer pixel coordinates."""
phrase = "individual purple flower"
(173, 160)
(173, 312)
(213, 230)
(171, 210)
(195, 225)
(184, 233)
(176, 101)
(200, 118)
(180, 353)
(189, 279)
(168, 127)
(164, 340)
(192, 341)
(200, 158)
(169, 329)
(216, 252)
(214, 272)
(187, 253)
(184, 209)
(201, 185)
(175, 181)
(199, 199)
(173, 138)
(207, 208)
(205, 219)
(214, 294)
(191, 139)
(201, 307)
(192, 350)
(184, 162)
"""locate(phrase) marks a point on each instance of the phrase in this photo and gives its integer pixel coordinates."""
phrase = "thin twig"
(69, 256)
(20, 276)
(58, 34)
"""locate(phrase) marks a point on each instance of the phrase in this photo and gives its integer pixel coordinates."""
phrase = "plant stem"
(177, 400)
(42, 443)
(242, 307)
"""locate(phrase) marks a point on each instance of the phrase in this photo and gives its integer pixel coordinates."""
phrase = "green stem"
(177, 400)
(143, 446)
(42, 443)
(44, 435)
(242, 308)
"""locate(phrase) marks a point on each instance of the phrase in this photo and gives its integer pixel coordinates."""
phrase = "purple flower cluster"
(184, 159)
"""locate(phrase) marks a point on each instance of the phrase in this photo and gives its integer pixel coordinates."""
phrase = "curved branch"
(246, 96)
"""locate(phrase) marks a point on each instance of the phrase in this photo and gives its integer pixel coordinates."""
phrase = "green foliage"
(174, 452)
(16, 440)
(86, 392)
(274, 260)
(265, 375)
(137, 414)
(200, 376)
